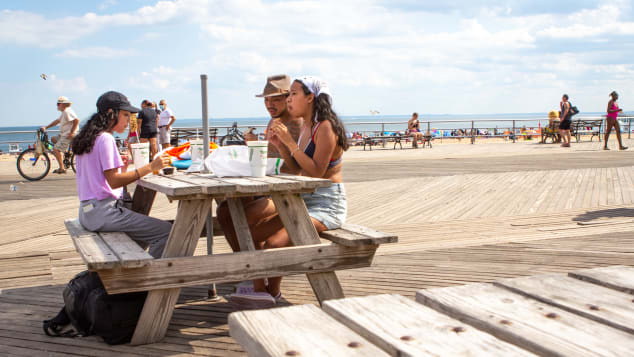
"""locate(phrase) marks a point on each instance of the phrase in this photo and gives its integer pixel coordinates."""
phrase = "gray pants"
(109, 215)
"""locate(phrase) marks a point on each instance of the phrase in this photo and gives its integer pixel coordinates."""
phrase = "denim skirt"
(328, 205)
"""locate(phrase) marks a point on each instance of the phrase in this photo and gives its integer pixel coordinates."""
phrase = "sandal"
(59, 171)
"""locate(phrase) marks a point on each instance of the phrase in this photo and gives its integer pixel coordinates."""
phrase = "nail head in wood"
(354, 344)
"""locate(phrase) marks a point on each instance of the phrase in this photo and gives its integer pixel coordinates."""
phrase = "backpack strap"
(59, 326)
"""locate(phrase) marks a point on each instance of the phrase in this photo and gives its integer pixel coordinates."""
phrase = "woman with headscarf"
(317, 153)
(612, 121)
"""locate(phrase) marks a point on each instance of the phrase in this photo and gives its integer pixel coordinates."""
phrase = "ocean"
(364, 124)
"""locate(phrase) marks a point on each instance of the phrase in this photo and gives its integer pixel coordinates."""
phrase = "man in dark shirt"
(148, 125)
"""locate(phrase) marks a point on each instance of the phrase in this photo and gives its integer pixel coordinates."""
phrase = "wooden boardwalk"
(465, 226)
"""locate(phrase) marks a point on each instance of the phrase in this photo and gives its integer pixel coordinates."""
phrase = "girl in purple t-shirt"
(101, 174)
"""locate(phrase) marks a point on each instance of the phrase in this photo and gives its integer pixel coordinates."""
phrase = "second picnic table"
(355, 246)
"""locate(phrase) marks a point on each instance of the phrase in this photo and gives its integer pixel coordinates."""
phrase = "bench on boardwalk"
(580, 127)
(585, 313)
(106, 250)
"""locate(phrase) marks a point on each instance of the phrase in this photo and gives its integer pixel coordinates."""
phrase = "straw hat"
(279, 84)
(63, 100)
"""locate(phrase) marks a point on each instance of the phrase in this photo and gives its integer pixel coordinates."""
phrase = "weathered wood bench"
(110, 250)
(587, 313)
(106, 250)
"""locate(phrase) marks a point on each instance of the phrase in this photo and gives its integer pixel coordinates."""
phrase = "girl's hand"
(275, 140)
(160, 162)
(126, 161)
(281, 132)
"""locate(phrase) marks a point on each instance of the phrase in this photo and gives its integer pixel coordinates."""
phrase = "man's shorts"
(148, 134)
(62, 144)
(164, 135)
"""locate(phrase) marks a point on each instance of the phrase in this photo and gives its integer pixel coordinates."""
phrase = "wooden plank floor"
(461, 227)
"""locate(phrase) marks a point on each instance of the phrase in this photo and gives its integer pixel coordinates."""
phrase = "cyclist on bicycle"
(68, 124)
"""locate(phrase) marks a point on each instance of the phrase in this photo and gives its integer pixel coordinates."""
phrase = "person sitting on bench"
(317, 153)
(413, 130)
(101, 174)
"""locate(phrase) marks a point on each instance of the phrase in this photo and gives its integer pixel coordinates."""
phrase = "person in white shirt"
(68, 124)
(166, 119)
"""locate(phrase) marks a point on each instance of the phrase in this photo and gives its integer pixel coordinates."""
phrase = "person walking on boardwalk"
(165, 121)
(564, 125)
(68, 124)
(101, 174)
(317, 153)
(148, 126)
(612, 121)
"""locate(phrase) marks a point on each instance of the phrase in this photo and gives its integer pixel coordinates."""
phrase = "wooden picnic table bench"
(124, 267)
(584, 313)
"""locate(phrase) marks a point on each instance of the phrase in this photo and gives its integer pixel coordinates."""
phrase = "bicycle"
(34, 164)
(234, 136)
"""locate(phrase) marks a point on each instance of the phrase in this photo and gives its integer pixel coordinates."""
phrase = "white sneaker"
(245, 287)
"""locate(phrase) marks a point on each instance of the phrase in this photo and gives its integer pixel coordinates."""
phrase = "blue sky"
(399, 56)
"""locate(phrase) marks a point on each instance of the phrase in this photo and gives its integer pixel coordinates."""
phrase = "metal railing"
(473, 128)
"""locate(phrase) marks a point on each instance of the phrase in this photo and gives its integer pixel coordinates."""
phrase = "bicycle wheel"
(32, 166)
(69, 161)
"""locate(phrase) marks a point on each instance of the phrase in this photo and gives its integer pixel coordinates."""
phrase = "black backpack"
(89, 310)
(573, 110)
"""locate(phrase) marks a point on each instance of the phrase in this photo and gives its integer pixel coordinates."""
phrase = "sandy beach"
(461, 212)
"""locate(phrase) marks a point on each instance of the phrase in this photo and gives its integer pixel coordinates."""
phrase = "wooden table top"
(584, 313)
(181, 185)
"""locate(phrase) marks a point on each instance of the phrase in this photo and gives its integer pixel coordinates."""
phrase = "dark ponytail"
(322, 110)
(83, 142)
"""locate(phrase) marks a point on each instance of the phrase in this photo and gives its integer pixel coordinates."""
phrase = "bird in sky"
(43, 76)
(374, 112)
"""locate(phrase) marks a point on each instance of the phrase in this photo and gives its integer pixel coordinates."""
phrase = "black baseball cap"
(115, 100)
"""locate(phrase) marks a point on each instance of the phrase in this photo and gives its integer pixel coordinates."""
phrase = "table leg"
(159, 305)
(301, 231)
(239, 218)
(143, 199)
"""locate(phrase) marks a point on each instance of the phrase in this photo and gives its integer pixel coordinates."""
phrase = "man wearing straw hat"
(68, 124)
(258, 209)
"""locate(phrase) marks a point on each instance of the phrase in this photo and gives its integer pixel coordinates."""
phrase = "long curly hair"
(83, 142)
(322, 110)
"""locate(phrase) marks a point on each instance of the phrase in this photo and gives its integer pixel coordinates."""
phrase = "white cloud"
(106, 4)
(70, 85)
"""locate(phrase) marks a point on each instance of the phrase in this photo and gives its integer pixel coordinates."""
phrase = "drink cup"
(141, 154)
(198, 149)
(258, 151)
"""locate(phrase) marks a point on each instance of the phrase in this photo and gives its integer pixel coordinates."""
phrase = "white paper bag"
(230, 161)
(274, 165)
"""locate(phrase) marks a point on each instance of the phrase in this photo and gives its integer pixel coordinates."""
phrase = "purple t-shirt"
(91, 181)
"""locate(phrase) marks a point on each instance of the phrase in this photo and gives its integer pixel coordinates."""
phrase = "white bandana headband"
(316, 86)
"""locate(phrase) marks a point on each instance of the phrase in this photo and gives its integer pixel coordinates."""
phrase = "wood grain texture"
(129, 253)
(301, 231)
(169, 186)
(239, 219)
(402, 327)
(527, 323)
(302, 330)
(248, 265)
(619, 278)
(159, 305)
(93, 250)
(598, 303)
(143, 199)
(355, 235)
(209, 184)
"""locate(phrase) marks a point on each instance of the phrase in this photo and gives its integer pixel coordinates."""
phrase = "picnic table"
(124, 267)
(584, 313)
